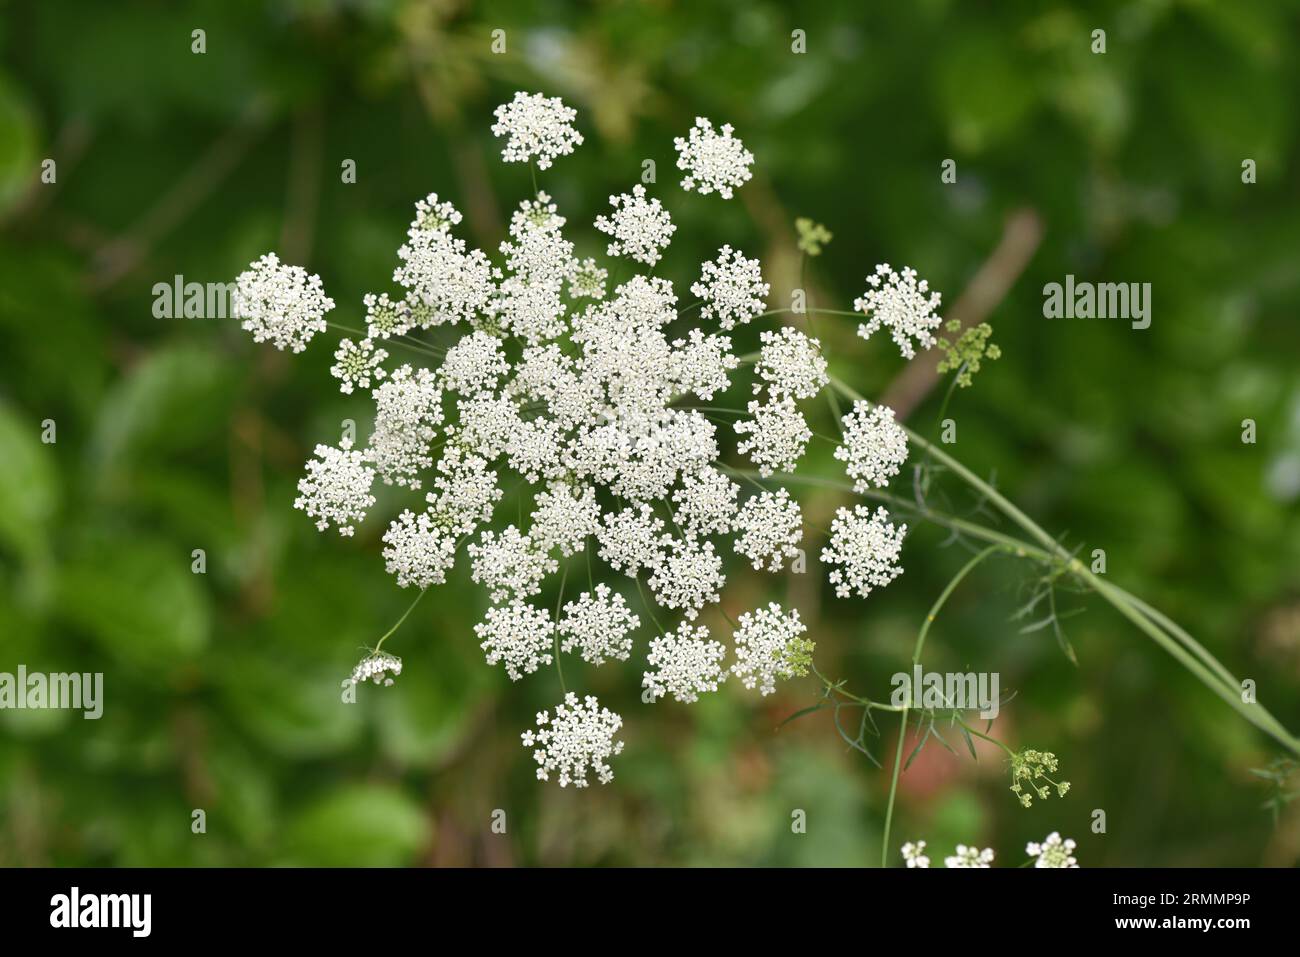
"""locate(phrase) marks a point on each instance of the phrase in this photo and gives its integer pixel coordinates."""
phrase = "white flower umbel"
(866, 548)
(465, 491)
(901, 304)
(598, 625)
(536, 127)
(639, 228)
(777, 434)
(446, 283)
(518, 635)
(732, 289)
(564, 517)
(355, 364)
(1052, 852)
(474, 364)
(588, 280)
(914, 854)
(701, 364)
(689, 577)
(385, 318)
(706, 502)
(509, 564)
(418, 551)
(280, 304)
(770, 645)
(874, 446)
(376, 667)
(579, 739)
(632, 539)
(970, 857)
(769, 529)
(408, 411)
(336, 488)
(791, 364)
(712, 162)
(686, 664)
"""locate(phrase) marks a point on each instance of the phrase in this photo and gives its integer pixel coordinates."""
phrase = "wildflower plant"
(590, 392)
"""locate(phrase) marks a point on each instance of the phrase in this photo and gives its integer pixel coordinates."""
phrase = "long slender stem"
(380, 643)
(916, 660)
(1189, 653)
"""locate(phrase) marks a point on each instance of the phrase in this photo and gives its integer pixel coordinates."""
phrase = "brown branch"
(1021, 235)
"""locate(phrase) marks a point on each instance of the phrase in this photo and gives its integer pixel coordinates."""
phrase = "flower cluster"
(866, 546)
(901, 303)
(1052, 852)
(591, 402)
(376, 667)
(1029, 776)
(280, 304)
(874, 447)
(537, 128)
(579, 739)
(712, 162)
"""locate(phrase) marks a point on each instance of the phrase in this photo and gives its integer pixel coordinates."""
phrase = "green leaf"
(365, 825)
(138, 599)
(28, 483)
(18, 163)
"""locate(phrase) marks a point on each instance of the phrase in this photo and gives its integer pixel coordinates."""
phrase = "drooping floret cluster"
(593, 403)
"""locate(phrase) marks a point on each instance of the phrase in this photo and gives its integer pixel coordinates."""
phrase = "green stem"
(380, 643)
(916, 660)
(1189, 653)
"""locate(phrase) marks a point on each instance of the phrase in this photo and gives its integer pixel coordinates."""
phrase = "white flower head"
(901, 303)
(376, 667)
(509, 564)
(866, 548)
(874, 446)
(914, 854)
(599, 625)
(689, 577)
(713, 162)
(732, 289)
(706, 502)
(769, 529)
(518, 635)
(578, 740)
(777, 434)
(280, 304)
(385, 318)
(685, 664)
(970, 857)
(770, 645)
(791, 364)
(1052, 852)
(336, 488)
(536, 127)
(418, 550)
(639, 228)
(474, 364)
(408, 411)
(356, 363)
(564, 517)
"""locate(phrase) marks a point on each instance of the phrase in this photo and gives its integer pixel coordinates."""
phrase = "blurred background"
(222, 689)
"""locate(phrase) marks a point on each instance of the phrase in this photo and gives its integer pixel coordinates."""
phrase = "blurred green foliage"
(222, 690)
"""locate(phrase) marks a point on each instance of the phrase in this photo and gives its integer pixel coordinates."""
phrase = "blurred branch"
(1021, 235)
(303, 201)
(123, 254)
(69, 145)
